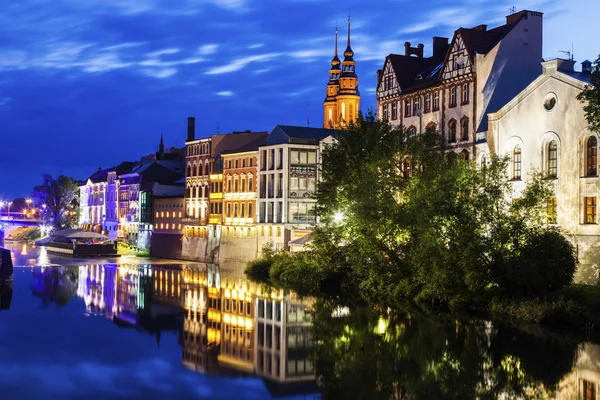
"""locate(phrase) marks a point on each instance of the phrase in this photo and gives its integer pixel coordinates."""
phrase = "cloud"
(208, 49)
(160, 73)
(159, 53)
(240, 63)
(256, 46)
(225, 93)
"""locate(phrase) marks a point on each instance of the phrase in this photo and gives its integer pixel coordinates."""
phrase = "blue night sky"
(87, 84)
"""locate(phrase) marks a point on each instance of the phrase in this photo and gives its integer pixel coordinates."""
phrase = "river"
(132, 328)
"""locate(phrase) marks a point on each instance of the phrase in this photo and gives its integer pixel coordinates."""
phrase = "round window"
(549, 101)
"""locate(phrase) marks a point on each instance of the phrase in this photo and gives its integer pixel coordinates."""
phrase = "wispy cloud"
(159, 53)
(240, 63)
(160, 73)
(256, 45)
(225, 93)
(208, 49)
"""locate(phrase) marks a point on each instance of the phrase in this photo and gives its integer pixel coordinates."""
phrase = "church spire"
(348, 54)
(161, 146)
(335, 62)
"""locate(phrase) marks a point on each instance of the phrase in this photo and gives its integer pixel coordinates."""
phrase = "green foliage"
(60, 195)
(297, 273)
(258, 270)
(28, 233)
(422, 225)
(590, 96)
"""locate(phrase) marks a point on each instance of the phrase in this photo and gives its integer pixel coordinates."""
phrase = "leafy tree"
(60, 195)
(590, 96)
(55, 285)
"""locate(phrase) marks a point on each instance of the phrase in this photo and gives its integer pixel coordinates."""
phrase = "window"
(250, 184)
(243, 184)
(243, 215)
(236, 184)
(464, 126)
(590, 210)
(243, 163)
(592, 156)
(453, 97)
(428, 102)
(436, 101)
(250, 210)
(228, 210)
(552, 161)
(407, 107)
(452, 131)
(589, 390)
(517, 163)
(412, 131)
(229, 184)
(465, 93)
(551, 210)
(430, 128)
(394, 110)
(385, 112)
(417, 105)
(235, 210)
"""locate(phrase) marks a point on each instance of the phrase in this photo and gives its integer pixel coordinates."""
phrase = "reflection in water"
(24, 251)
(227, 325)
(56, 285)
(6, 292)
(375, 355)
(43, 258)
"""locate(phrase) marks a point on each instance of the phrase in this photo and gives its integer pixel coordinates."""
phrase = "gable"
(458, 62)
(388, 82)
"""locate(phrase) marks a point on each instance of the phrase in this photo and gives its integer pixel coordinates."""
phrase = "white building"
(544, 128)
(287, 178)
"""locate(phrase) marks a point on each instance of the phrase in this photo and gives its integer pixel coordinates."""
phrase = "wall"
(193, 249)
(166, 245)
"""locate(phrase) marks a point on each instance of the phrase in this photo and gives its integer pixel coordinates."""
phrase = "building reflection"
(227, 325)
(583, 382)
(6, 292)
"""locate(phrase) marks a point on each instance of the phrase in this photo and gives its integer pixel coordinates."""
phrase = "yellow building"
(342, 102)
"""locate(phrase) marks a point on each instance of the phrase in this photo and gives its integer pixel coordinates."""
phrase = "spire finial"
(348, 29)
(335, 53)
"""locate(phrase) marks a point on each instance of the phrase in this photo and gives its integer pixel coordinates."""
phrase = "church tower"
(348, 97)
(331, 113)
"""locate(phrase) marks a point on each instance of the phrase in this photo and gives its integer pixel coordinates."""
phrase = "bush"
(258, 270)
(296, 273)
(544, 265)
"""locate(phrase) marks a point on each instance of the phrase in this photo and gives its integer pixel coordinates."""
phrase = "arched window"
(229, 184)
(206, 168)
(189, 170)
(344, 111)
(243, 184)
(412, 131)
(552, 160)
(243, 215)
(228, 210)
(464, 129)
(236, 184)
(452, 131)
(465, 155)
(235, 210)
(330, 119)
(591, 163)
(431, 127)
(250, 183)
(517, 163)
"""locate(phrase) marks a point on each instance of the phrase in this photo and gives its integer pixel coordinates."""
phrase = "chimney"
(191, 129)
(379, 74)
(511, 19)
(420, 50)
(586, 67)
(440, 47)
(407, 48)
(417, 51)
(566, 65)
(482, 27)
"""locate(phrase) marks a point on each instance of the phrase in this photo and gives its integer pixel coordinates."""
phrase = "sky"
(88, 84)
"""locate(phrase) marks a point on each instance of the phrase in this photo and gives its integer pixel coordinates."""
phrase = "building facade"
(287, 178)
(453, 90)
(544, 129)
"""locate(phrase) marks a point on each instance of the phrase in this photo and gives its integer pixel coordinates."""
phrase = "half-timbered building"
(454, 89)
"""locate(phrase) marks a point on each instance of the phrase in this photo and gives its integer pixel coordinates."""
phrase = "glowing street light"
(338, 217)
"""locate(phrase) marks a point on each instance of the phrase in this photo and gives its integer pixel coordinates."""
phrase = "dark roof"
(407, 69)
(481, 42)
(578, 75)
(254, 144)
(298, 134)
(102, 175)
(231, 142)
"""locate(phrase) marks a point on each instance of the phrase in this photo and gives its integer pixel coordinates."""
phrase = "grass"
(127, 250)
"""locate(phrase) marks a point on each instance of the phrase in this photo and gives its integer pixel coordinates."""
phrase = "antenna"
(568, 53)
(218, 128)
(513, 9)
(307, 114)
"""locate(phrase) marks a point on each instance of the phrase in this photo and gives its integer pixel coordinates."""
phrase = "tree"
(590, 96)
(55, 285)
(60, 196)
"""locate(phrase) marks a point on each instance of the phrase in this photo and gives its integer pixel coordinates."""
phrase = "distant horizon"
(88, 85)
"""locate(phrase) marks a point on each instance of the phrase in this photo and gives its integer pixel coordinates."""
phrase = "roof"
(301, 241)
(102, 174)
(578, 75)
(252, 145)
(481, 42)
(298, 134)
(231, 142)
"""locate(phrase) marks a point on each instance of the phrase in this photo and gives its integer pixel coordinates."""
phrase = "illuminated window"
(590, 210)
(592, 156)
(395, 110)
(157, 214)
(589, 390)
(250, 210)
(179, 214)
(517, 163)
(344, 111)
(162, 214)
(228, 210)
(551, 210)
(236, 184)
(552, 161)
